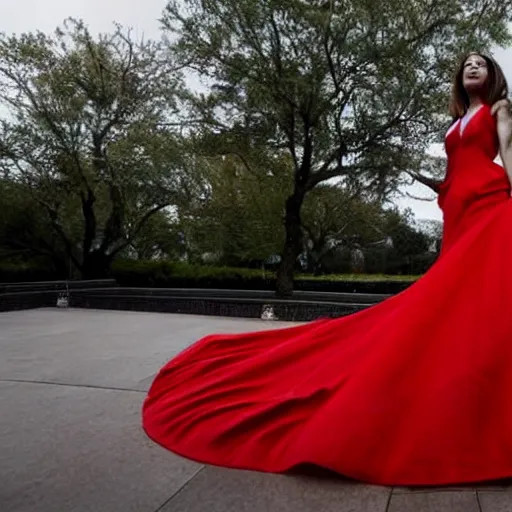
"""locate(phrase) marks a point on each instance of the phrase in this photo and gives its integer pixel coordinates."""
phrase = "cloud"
(31, 15)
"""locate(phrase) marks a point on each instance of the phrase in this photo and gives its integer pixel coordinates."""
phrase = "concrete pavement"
(71, 388)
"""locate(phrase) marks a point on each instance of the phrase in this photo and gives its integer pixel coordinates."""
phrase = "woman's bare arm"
(504, 127)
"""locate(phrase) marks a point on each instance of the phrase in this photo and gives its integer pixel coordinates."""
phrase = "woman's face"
(475, 73)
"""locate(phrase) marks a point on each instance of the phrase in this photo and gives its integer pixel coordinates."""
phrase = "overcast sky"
(45, 15)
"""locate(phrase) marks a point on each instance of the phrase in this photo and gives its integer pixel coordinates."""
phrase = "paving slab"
(68, 448)
(224, 490)
(101, 348)
(453, 501)
(72, 384)
(495, 501)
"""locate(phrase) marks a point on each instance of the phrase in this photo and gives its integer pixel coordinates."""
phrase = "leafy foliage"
(315, 114)
(182, 275)
(352, 89)
(26, 236)
(332, 219)
(86, 134)
(237, 216)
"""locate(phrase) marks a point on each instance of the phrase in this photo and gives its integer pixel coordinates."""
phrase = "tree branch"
(138, 227)
(53, 214)
(429, 182)
(325, 172)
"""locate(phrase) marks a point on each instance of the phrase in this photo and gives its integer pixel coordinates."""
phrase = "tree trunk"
(96, 265)
(89, 221)
(292, 246)
(60, 265)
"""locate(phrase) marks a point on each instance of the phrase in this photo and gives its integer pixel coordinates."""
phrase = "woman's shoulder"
(488, 114)
(503, 103)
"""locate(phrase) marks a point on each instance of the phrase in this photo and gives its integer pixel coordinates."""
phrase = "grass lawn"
(358, 277)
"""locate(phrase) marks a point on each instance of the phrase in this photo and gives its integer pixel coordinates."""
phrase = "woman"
(413, 391)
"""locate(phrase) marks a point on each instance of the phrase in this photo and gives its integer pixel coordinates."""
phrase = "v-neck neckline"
(461, 130)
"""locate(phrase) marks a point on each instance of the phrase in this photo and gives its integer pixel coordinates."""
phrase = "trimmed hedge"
(27, 272)
(166, 274)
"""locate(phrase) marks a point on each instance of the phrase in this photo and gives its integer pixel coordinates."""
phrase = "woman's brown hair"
(495, 88)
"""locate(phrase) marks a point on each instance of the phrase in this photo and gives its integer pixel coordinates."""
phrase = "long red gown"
(416, 390)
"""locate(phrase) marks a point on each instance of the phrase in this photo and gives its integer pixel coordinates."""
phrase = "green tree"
(333, 218)
(87, 132)
(158, 238)
(348, 88)
(408, 241)
(236, 216)
(434, 231)
(25, 232)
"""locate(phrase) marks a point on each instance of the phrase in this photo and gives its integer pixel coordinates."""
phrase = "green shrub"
(167, 274)
(375, 278)
(19, 272)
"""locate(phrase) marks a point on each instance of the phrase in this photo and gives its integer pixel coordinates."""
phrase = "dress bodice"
(471, 171)
(474, 182)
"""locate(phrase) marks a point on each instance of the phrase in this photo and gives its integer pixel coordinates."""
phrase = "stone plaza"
(72, 382)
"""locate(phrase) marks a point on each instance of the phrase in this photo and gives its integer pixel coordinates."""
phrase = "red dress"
(416, 390)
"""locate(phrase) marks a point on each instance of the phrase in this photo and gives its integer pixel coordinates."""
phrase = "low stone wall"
(16, 296)
(246, 308)
(28, 300)
(57, 285)
(304, 306)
